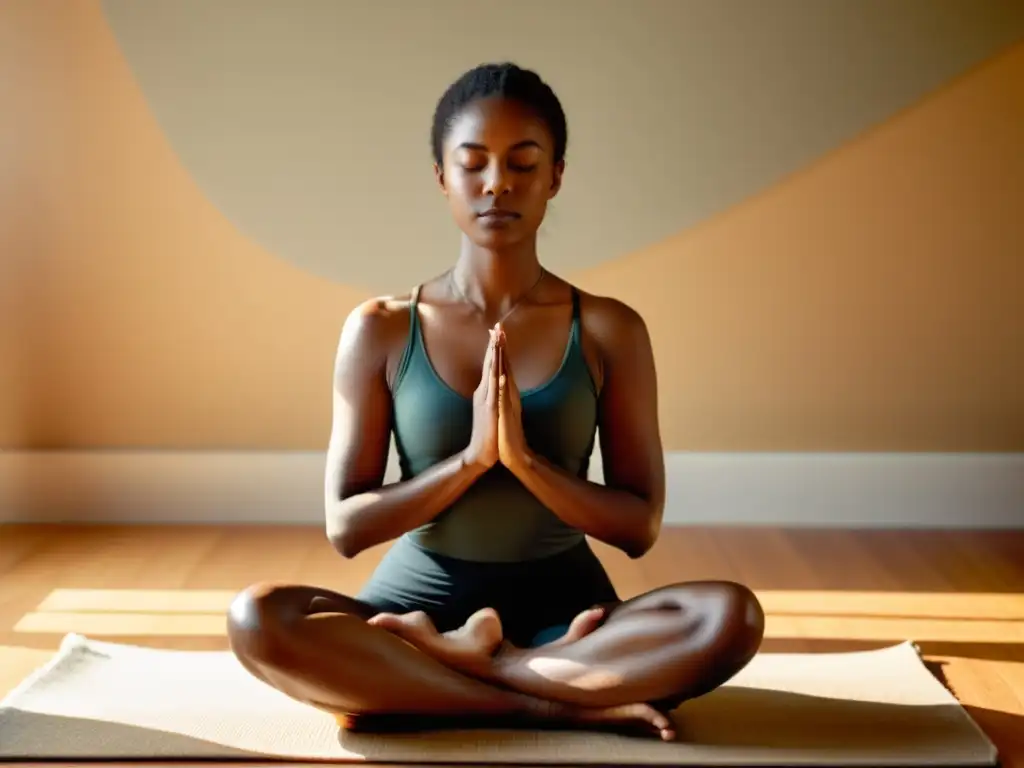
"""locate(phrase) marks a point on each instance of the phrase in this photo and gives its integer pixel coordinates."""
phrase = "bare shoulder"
(376, 318)
(613, 324)
(373, 329)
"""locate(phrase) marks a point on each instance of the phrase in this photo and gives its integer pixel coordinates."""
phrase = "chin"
(494, 240)
(498, 237)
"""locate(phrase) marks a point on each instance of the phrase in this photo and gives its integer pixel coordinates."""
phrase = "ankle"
(507, 663)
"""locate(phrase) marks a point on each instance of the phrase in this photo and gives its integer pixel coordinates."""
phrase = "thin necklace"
(515, 306)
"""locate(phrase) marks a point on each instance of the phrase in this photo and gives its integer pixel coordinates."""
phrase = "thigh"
(705, 596)
(730, 607)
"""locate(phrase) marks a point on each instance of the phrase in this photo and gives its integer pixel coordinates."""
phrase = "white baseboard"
(785, 489)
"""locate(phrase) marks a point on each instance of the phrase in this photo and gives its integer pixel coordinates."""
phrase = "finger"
(492, 375)
(514, 391)
(499, 333)
(499, 368)
(488, 355)
(487, 374)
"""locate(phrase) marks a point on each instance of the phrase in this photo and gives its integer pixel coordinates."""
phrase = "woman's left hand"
(512, 448)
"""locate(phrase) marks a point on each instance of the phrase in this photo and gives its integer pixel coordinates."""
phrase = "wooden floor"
(959, 595)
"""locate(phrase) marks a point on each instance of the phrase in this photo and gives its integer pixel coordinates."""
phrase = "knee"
(256, 623)
(741, 618)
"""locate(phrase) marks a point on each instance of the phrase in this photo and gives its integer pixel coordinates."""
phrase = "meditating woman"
(495, 377)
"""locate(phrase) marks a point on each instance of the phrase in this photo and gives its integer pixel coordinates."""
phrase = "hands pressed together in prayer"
(497, 412)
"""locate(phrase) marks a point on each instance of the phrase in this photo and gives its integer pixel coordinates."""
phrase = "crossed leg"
(663, 647)
(623, 667)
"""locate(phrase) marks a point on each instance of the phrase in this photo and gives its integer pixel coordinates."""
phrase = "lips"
(498, 214)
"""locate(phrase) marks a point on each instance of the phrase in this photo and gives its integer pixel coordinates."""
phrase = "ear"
(439, 177)
(556, 178)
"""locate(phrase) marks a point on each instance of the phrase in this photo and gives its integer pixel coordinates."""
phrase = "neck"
(495, 280)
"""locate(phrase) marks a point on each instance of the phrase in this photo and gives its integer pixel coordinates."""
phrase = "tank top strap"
(575, 330)
(412, 342)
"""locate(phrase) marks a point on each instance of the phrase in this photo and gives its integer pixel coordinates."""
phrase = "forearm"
(364, 520)
(616, 517)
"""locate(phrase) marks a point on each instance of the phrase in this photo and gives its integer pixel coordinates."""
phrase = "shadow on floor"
(737, 725)
(37, 736)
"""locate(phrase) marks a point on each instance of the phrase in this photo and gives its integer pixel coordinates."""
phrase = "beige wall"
(872, 301)
(865, 302)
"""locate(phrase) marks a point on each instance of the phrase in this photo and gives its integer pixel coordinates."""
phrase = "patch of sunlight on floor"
(831, 615)
(894, 616)
(98, 624)
(140, 612)
(147, 600)
(893, 629)
(918, 605)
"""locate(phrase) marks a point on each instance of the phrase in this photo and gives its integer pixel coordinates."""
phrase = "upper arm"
(631, 450)
(361, 404)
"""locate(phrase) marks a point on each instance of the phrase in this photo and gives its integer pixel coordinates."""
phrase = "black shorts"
(536, 599)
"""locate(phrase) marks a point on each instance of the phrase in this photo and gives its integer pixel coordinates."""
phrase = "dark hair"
(507, 81)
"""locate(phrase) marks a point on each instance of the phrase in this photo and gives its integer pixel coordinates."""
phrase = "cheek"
(537, 191)
(539, 184)
(462, 186)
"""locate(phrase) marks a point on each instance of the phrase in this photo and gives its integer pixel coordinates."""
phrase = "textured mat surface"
(103, 700)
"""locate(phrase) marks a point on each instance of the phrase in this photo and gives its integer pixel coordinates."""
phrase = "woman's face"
(499, 172)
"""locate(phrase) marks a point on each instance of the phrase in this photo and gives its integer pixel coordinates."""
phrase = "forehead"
(497, 123)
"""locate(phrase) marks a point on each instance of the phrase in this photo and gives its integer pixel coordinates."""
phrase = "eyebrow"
(520, 145)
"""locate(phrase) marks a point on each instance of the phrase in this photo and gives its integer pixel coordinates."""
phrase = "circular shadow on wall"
(307, 122)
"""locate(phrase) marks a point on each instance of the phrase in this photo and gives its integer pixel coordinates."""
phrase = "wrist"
(522, 461)
(469, 465)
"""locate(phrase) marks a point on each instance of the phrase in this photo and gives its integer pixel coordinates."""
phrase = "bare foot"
(468, 649)
(631, 718)
(584, 623)
(482, 632)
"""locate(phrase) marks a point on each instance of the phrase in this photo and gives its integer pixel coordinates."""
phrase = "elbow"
(342, 537)
(646, 535)
(344, 543)
(637, 549)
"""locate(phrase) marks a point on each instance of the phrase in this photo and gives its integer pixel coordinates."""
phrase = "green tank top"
(497, 519)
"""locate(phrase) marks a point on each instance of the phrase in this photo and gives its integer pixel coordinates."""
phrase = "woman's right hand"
(482, 451)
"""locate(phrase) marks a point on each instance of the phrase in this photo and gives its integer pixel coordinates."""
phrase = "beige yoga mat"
(111, 701)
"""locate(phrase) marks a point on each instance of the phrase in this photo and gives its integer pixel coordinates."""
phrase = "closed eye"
(514, 167)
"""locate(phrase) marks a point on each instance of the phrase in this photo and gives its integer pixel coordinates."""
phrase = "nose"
(496, 182)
